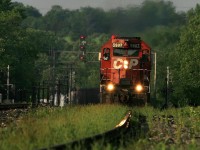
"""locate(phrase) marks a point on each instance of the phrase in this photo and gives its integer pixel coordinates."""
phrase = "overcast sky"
(45, 5)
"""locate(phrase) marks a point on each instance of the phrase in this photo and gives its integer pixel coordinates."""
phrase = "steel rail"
(110, 136)
(13, 106)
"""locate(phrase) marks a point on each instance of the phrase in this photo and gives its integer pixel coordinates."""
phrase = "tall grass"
(45, 127)
(169, 129)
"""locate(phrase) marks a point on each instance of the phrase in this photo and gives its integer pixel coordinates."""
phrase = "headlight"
(139, 88)
(110, 87)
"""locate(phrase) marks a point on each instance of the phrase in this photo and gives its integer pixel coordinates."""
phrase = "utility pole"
(167, 86)
(8, 81)
(54, 65)
(155, 65)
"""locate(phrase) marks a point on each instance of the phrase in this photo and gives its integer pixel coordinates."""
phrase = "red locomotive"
(125, 66)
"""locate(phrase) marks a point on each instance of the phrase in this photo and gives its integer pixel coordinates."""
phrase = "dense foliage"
(32, 43)
(187, 63)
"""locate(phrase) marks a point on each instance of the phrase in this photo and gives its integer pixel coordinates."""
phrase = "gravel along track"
(10, 116)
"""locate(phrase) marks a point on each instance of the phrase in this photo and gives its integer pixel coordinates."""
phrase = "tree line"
(27, 39)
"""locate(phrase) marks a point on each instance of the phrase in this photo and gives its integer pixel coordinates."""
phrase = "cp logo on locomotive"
(118, 63)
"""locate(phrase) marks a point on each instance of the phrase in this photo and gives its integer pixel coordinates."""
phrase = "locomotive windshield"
(126, 52)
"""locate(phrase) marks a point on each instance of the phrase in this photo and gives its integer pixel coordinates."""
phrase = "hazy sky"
(45, 5)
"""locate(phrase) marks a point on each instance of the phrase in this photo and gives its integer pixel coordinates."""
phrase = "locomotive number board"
(130, 45)
(117, 45)
(135, 45)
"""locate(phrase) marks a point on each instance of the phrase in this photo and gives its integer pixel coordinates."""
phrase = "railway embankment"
(149, 128)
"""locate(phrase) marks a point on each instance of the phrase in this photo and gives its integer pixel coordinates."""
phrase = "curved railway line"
(111, 136)
(13, 106)
(131, 127)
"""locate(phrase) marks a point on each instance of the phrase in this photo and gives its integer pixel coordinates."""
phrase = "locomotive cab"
(125, 66)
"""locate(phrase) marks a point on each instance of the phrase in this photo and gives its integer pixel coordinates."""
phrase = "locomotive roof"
(128, 38)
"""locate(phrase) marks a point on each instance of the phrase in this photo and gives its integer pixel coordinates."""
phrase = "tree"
(56, 20)
(31, 16)
(94, 20)
(36, 44)
(10, 20)
(187, 55)
(20, 47)
(159, 13)
(5, 5)
(9, 23)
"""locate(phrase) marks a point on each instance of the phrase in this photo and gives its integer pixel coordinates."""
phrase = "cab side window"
(106, 54)
(145, 56)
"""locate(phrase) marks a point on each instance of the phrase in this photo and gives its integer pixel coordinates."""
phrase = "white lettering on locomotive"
(133, 62)
(118, 63)
(134, 45)
(117, 45)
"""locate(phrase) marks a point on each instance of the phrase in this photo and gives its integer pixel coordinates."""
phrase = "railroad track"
(13, 106)
(111, 136)
(10, 113)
